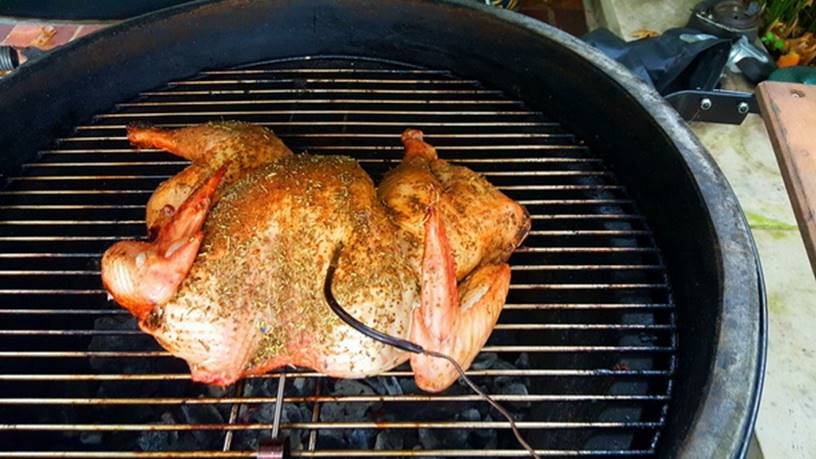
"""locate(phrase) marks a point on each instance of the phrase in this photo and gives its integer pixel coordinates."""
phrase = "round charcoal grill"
(633, 326)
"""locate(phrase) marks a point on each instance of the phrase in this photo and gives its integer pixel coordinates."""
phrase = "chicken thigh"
(233, 281)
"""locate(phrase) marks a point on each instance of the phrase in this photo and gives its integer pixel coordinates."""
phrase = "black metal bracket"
(726, 107)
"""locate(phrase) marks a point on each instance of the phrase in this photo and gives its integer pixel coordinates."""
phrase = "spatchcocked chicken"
(233, 278)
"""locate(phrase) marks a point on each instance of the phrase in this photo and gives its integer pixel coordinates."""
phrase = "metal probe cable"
(409, 346)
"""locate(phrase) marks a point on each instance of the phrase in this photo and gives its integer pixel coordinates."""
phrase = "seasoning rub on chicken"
(233, 278)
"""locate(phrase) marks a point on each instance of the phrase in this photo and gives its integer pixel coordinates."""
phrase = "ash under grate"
(583, 355)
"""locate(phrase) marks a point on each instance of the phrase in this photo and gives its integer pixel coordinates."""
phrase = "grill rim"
(728, 397)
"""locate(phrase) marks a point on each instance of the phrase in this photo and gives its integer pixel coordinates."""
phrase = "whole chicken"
(233, 279)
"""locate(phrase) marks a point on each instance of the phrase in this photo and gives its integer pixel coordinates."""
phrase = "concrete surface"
(785, 427)
(624, 17)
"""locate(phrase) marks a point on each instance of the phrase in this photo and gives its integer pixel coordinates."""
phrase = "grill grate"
(583, 354)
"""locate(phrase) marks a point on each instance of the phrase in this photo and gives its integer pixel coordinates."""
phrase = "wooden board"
(789, 111)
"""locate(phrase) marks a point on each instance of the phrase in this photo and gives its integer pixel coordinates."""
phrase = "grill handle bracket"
(718, 106)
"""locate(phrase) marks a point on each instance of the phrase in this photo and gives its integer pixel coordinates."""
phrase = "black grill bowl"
(696, 220)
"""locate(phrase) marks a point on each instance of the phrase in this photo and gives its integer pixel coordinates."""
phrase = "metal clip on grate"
(583, 356)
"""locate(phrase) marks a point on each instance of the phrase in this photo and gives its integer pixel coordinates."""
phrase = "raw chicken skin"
(422, 257)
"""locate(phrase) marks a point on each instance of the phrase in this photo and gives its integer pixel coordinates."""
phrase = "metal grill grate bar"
(330, 425)
(361, 160)
(234, 113)
(363, 81)
(325, 70)
(353, 123)
(317, 398)
(110, 238)
(305, 374)
(509, 306)
(498, 349)
(246, 92)
(149, 191)
(318, 101)
(335, 453)
(353, 135)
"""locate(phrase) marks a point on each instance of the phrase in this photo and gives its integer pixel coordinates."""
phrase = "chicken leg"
(482, 224)
(208, 146)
